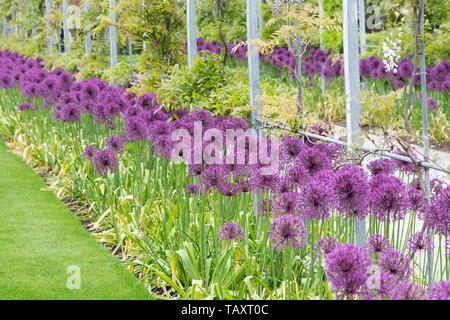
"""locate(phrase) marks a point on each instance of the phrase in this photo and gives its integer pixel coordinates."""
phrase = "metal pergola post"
(191, 32)
(253, 72)
(5, 28)
(362, 33)
(352, 89)
(324, 80)
(112, 34)
(88, 38)
(65, 27)
(426, 149)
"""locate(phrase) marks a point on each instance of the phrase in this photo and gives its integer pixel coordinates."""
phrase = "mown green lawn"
(40, 239)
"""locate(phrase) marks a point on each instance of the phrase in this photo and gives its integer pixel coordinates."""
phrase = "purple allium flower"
(440, 291)
(231, 231)
(260, 182)
(213, 177)
(24, 106)
(420, 241)
(287, 229)
(89, 152)
(105, 160)
(70, 113)
(316, 198)
(351, 191)
(384, 165)
(437, 216)
(407, 291)
(90, 91)
(290, 148)
(136, 128)
(416, 201)
(347, 268)
(286, 203)
(382, 288)
(313, 160)
(192, 189)
(403, 166)
(432, 104)
(395, 263)
(325, 245)
(377, 243)
(298, 175)
(388, 200)
(116, 143)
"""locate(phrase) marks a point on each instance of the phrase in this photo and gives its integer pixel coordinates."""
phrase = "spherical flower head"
(384, 165)
(286, 203)
(317, 198)
(105, 160)
(213, 177)
(347, 268)
(351, 191)
(24, 106)
(432, 104)
(407, 291)
(377, 244)
(395, 263)
(382, 288)
(437, 216)
(416, 201)
(290, 148)
(403, 166)
(147, 101)
(298, 175)
(313, 160)
(260, 182)
(136, 128)
(89, 152)
(90, 91)
(116, 143)
(192, 189)
(71, 112)
(420, 241)
(287, 229)
(231, 231)
(440, 291)
(325, 245)
(389, 201)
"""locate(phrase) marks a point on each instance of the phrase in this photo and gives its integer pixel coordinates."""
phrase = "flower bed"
(190, 229)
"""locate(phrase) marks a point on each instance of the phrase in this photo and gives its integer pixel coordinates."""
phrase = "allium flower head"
(389, 201)
(420, 241)
(231, 231)
(437, 216)
(325, 245)
(377, 243)
(192, 189)
(70, 113)
(440, 291)
(351, 191)
(105, 160)
(316, 199)
(287, 229)
(395, 263)
(290, 148)
(407, 291)
(384, 165)
(136, 128)
(286, 203)
(116, 143)
(347, 268)
(313, 160)
(89, 152)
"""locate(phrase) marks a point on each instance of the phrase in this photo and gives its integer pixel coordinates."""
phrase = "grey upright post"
(48, 6)
(362, 33)
(426, 150)
(88, 38)
(130, 52)
(352, 88)
(5, 28)
(253, 71)
(191, 32)
(66, 29)
(112, 34)
(324, 80)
